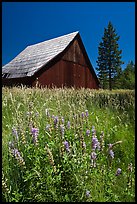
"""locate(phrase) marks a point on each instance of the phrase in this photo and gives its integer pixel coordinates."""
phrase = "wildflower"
(68, 125)
(87, 132)
(62, 129)
(17, 155)
(56, 120)
(15, 133)
(95, 143)
(93, 155)
(62, 119)
(93, 158)
(11, 145)
(50, 156)
(93, 131)
(47, 127)
(87, 193)
(86, 111)
(118, 172)
(35, 132)
(22, 136)
(111, 153)
(67, 146)
(110, 146)
(82, 114)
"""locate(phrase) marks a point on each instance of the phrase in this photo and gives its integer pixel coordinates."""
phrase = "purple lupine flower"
(17, 155)
(16, 152)
(68, 125)
(67, 146)
(93, 159)
(62, 129)
(95, 143)
(86, 111)
(15, 133)
(110, 146)
(93, 155)
(87, 132)
(93, 131)
(118, 172)
(87, 193)
(56, 120)
(111, 153)
(47, 127)
(62, 119)
(82, 114)
(35, 132)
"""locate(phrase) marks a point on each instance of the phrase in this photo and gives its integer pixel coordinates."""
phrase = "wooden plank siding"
(65, 73)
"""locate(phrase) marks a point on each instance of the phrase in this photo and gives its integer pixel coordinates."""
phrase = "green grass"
(53, 174)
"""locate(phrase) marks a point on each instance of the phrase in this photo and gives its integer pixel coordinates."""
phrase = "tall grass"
(56, 145)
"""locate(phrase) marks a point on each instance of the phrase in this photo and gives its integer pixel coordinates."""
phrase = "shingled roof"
(33, 57)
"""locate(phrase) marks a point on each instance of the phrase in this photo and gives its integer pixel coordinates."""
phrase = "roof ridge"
(75, 32)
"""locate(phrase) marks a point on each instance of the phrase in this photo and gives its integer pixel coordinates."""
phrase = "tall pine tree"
(109, 59)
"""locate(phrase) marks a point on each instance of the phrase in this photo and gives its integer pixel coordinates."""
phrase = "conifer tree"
(126, 79)
(109, 59)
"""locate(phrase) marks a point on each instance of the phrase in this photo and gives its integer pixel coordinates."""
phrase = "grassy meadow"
(67, 145)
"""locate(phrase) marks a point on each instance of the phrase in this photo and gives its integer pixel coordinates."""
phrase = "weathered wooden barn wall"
(74, 54)
(82, 75)
(70, 70)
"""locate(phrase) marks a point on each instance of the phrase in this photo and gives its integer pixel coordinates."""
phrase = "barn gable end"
(74, 54)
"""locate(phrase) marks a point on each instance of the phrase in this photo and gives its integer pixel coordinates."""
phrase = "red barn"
(59, 62)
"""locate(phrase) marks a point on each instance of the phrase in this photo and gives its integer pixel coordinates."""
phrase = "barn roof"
(33, 57)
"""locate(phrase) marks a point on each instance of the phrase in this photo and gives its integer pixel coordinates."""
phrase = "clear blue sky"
(26, 23)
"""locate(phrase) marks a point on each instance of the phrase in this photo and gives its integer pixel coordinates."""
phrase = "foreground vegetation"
(68, 145)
